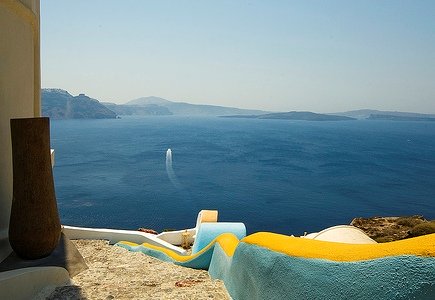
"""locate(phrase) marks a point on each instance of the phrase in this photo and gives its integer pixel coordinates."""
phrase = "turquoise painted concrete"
(209, 231)
(204, 238)
(148, 251)
(201, 261)
(220, 264)
(258, 273)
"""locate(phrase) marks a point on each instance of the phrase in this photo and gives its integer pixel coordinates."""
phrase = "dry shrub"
(410, 221)
(422, 229)
(384, 239)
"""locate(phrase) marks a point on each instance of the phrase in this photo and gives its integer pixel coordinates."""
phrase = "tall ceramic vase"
(34, 227)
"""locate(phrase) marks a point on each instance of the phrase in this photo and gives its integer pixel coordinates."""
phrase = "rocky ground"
(387, 229)
(115, 273)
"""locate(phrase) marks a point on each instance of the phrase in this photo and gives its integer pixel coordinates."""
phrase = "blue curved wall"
(258, 273)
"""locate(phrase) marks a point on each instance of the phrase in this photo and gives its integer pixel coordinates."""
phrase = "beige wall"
(19, 88)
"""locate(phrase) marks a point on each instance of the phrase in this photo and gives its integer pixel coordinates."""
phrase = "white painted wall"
(115, 235)
(19, 89)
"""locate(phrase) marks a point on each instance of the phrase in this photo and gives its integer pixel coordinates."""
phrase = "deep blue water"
(273, 175)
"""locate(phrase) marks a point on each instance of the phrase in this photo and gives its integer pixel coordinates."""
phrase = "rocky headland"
(388, 229)
(59, 104)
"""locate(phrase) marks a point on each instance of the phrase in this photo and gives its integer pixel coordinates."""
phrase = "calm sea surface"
(273, 175)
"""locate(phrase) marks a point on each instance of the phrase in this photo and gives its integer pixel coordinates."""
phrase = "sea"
(282, 176)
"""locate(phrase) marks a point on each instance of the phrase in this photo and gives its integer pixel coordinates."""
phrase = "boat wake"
(170, 171)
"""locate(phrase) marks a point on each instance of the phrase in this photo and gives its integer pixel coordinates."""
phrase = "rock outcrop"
(59, 104)
(387, 229)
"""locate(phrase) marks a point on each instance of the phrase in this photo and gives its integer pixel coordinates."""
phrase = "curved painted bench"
(207, 236)
(176, 238)
(273, 266)
(199, 260)
(207, 232)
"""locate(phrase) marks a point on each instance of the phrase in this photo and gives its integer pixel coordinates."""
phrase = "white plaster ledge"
(116, 235)
(27, 283)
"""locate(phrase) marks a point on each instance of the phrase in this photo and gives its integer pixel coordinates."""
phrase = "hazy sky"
(322, 56)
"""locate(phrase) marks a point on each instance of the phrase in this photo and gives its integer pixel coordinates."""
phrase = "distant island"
(183, 108)
(296, 115)
(399, 118)
(59, 104)
(371, 114)
(363, 114)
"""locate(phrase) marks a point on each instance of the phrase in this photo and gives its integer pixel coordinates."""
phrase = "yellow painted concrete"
(227, 241)
(306, 248)
(168, 252)
(209, 216)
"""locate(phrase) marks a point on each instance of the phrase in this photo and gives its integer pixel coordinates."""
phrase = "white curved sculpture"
(342, 234)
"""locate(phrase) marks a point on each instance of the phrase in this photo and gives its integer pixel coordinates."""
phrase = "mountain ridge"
(185, 108)
(59, 104)
(148, 100)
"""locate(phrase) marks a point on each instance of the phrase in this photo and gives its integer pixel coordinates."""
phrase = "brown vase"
(34, 226)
